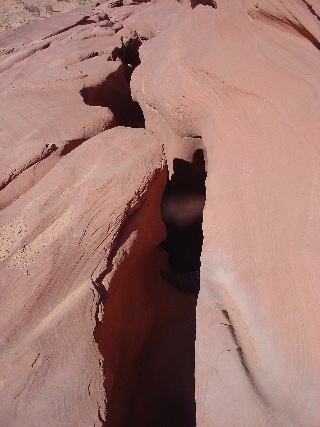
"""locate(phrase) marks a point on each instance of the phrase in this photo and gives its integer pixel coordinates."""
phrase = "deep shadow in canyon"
(114, 92)
(149, 287)
(182, 212)
(147, 334)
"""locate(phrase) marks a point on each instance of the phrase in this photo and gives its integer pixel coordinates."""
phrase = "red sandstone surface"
(15, 13)
(105, 113)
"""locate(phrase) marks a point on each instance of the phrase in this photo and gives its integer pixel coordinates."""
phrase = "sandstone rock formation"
(15, 13)
(91, 333)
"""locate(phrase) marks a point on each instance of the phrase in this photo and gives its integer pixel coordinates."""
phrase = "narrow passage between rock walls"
(182, 212)
(115, 92)
(147, 333)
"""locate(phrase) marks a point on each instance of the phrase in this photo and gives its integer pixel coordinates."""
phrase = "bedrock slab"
(57, 245)
(241, 81)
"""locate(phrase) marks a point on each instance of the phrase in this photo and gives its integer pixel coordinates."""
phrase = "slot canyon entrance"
(147, 334)
(182, 212)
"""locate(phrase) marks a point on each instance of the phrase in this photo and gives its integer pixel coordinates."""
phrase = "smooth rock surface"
(242, 81)
(90, 333)
(56, 242)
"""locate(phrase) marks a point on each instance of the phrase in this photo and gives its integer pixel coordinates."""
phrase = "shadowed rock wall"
(90, 333)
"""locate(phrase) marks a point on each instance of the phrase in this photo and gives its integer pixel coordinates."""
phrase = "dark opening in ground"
(182, 212)
(129, 55)
(114, 92)
(211, 3)
(147, 334)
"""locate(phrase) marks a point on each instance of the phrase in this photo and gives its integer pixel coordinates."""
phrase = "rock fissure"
(182, 212)
(311, 9)
(114, 93)
(155, 283)
(102, 239)
(132, 285)
(46, 152)
(243, 359)
(128, 53)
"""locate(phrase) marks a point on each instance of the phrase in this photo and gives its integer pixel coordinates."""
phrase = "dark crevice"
(297, 26)
(146, 334)
(87, 22)
(182, 212)
(46, 152)
(146, 317)
(83, 21)
(195, 3)
(101, 419)
(114, 92)
(128, 53)
(71, 145)
(243, 358)
(119, 3)
(90, 55)
(311, 9)
(116, 3)
(306, 34)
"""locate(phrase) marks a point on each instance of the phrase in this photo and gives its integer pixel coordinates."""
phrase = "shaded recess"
(129, 55)
(147, 333)
(211, 3)
(114, 93)
(182, 212)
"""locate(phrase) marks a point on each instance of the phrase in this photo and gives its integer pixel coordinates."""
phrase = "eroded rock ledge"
(100, 107)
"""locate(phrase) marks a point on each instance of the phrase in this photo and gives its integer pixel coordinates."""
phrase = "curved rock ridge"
(47, 84)
(55, 246)
(80, 221)
(242, 81)
(98, 106)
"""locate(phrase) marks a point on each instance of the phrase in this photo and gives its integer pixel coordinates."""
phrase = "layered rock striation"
(100, 107)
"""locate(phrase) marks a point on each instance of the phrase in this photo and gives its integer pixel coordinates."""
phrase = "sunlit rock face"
(241, 81)
(100, 107)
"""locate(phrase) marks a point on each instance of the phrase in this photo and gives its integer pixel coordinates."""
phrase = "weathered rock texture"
(245, 78)
(87, 322)
(90, 333)
(14, 13)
